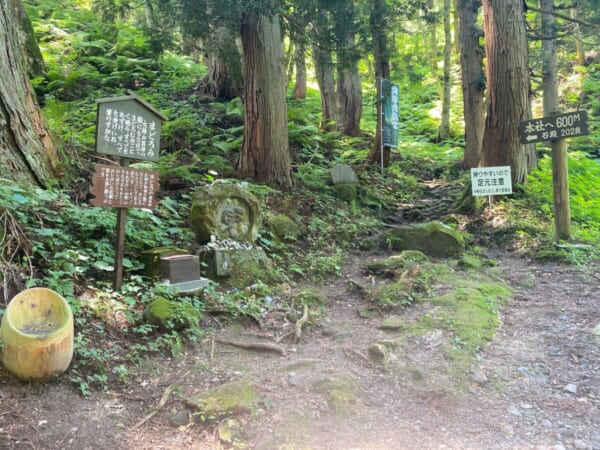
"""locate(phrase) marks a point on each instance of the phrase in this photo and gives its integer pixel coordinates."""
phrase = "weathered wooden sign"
(128, 127)
(124, 187)
(491, 181)
(553, 128)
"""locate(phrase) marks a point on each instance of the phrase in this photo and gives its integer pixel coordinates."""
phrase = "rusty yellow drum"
(36, 335)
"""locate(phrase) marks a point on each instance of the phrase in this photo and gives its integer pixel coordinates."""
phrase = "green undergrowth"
(463, 305)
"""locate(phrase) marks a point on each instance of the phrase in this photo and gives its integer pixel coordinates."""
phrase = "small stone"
(546, 423)
(579, 444)
(559, 447)
(293, 379)
(479, 377)
(513, 410)
(507, 430)
(596, 330)
(179, 419)
(571, 388)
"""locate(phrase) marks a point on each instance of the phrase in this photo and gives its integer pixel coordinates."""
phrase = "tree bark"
(473, 80)
(265, 155)
(224, 79)
(578, 39)
(323, 61)
(444, 130)
(378, 23)
(300, 63)
(508, 86)
(27, 152)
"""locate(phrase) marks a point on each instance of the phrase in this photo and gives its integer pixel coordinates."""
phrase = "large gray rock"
(432, 238)
(227, 211)
(343, 174)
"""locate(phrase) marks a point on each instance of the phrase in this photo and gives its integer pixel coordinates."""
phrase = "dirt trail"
(537, 385)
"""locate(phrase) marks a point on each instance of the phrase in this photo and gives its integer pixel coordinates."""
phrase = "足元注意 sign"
(553, 128)
(491, 181)
(124, 187)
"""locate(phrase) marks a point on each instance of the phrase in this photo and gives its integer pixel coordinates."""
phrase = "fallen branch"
(301, 321)
(260, 346)
(163, 400)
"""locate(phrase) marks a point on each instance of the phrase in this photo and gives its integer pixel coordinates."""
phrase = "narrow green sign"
(390, 111)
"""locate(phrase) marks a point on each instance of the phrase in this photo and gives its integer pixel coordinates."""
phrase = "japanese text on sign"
(491, 181)
(124, 187)
(390, 95)
(552, 128)
(131, 135)
(128, 127)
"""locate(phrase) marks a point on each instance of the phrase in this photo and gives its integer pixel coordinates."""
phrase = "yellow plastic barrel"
(36, 335)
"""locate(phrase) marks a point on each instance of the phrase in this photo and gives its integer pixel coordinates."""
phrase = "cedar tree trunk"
(265, 155)
(508, 86)
(27, 152)
(473, 80)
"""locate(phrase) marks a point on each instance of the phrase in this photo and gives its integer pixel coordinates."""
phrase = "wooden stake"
(560, 184)
(120, 241)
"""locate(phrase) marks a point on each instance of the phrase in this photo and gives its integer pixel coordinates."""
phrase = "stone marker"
(343, 174)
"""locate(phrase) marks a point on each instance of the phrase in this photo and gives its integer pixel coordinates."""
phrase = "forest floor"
(536, 385)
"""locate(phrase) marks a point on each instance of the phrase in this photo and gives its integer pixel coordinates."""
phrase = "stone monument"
(226, 219)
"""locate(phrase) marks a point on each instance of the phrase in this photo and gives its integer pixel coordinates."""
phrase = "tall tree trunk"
(34, 59)
(473, 80)
(560, 172)
(224, 79)
(549, 67)
(444, 130)
(300, 63)
(27, 152)
(323, 61)
(507, 86)
(378, 23)
(578, 38)
(265, 155)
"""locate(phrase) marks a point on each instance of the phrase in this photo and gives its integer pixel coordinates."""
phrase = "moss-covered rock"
(226, 400)
(390, 266)
(283, 227)
(245, 266)
(432, 238)
(151, 259)
(170, 314)
(341, 393)
(227, 211)
(346, 191)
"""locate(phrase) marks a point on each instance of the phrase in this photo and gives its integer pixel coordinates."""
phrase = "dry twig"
(260, 346)
(163, 400)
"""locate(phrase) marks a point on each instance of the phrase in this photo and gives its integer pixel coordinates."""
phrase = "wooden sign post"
(556, 129)
(128, 128)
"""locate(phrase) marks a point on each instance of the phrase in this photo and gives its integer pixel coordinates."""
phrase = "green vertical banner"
(390, 102)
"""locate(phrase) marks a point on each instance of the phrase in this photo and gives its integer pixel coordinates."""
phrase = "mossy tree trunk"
(265, 155)
(473, 80)
(27, 152)
(507, 86)
(224, 79)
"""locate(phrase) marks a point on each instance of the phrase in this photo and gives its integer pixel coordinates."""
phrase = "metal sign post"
(556, 129)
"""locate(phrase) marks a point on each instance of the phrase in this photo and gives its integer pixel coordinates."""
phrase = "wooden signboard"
(124, 187)
(128, 127)
(553, 128)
